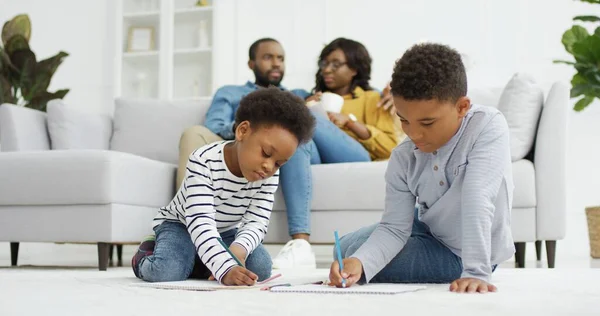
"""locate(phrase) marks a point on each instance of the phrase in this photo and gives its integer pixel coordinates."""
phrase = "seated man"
(267, 62)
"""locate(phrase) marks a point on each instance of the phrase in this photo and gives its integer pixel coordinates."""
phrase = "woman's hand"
(314, 97)
(339, 119)
(387, 101)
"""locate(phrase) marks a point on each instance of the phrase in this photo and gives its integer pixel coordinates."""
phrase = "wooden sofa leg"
(110, 255)
(551, 252)
(538, 250)
(119, 255)
(103, 250)
(14, 253)
(520, 254)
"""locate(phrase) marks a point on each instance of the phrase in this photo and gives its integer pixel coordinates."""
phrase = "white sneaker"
(297, 253)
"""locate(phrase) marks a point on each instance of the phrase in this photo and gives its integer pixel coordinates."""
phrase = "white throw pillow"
(152, 128)
(71, 128)
(521, 103)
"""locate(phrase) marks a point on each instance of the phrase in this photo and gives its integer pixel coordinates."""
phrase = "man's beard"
(264, 81)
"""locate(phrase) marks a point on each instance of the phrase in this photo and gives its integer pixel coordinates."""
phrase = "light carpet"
(86, 291)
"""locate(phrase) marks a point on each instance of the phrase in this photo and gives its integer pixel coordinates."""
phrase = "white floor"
(77, 291)
(62, 279)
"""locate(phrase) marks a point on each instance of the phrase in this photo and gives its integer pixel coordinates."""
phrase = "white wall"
(499, 37)
(82, 29)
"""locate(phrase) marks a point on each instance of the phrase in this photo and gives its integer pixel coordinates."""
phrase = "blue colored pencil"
(339, 255)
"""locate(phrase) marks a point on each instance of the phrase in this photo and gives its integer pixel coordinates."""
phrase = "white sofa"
(112, 174)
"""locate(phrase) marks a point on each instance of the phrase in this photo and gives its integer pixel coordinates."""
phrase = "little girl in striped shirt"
(228, 194)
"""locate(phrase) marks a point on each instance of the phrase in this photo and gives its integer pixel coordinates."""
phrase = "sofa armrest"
(550, 164)
(23, 129)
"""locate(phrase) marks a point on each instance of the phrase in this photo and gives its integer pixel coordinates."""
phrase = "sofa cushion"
(67, 177)
(524, 180)
(152, 128)
(71, 128)
(23, 128)
(521, 103)
(345, 186)
(485, 96)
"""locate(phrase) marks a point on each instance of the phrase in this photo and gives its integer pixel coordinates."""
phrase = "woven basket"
(593, 219)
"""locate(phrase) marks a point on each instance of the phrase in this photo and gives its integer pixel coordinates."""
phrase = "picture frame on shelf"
(141, 39)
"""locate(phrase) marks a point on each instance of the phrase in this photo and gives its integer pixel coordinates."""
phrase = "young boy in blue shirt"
(455, 164)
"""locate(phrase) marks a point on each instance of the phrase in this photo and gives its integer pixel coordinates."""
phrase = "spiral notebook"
(192, 285)
(201, 285)
(372, 289)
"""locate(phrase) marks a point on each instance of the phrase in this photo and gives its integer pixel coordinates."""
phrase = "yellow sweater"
(384, 127)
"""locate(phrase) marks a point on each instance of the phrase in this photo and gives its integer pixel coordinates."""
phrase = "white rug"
(86, 291)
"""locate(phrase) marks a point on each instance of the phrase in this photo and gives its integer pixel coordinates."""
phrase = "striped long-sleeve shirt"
(212, 200)
(464, 191)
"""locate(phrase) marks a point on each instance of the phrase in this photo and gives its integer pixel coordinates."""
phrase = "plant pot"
(593, 219)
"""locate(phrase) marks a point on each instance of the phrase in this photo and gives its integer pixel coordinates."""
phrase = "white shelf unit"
(180, 65)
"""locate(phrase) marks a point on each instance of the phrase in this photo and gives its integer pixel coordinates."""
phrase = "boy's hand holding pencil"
(344, 272)
(351, 273)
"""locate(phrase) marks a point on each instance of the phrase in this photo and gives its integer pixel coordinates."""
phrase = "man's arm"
(303, 94)
(220, 116)
(484, 174)
(395, 227)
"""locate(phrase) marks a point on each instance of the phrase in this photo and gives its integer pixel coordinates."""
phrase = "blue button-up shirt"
(221, 114)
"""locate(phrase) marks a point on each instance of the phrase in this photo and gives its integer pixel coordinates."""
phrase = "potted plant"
(585, 85)
(24, 81)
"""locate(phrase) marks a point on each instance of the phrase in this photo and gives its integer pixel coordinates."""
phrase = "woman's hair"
(357, 58)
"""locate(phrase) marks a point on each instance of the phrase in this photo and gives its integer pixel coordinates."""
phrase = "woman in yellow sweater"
(361, 132)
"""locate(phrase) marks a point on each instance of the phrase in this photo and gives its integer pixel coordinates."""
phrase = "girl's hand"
(239, 276)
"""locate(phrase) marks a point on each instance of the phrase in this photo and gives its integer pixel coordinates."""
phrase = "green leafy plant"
(585, 48)
(24, 80)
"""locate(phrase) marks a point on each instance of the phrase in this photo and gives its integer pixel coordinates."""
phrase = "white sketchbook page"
(192, 285)
(355, 289)
(205, 285)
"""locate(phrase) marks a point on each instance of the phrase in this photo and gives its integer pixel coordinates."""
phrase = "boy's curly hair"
(272, 106)
(430, 71)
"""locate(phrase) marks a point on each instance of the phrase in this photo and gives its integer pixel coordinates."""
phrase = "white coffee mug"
(332, 102)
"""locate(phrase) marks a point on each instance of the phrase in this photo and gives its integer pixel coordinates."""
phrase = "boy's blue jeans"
(329, 145)
(175, 257)
(422, 260)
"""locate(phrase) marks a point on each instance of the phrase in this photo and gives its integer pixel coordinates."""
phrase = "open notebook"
(202, 285)
(376, 289)
(192, 285)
